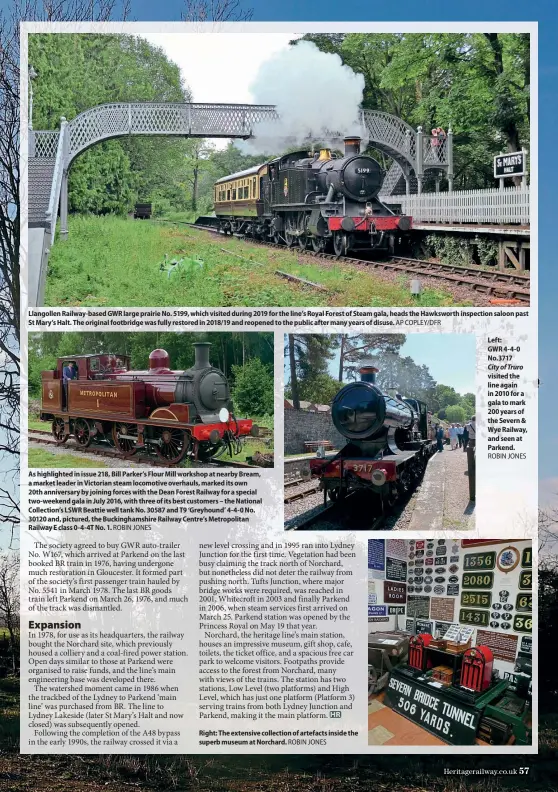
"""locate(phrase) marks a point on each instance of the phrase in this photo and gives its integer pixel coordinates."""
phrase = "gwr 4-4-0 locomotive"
(160, 411)
(389, 442)
(316, 201)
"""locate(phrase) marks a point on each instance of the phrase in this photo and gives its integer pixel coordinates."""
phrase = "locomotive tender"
(169, 413)
(389, 442)
(311, 200)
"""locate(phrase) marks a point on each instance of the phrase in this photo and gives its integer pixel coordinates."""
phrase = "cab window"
(94, 364)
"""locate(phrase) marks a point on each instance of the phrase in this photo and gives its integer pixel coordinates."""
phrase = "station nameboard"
(507, 165)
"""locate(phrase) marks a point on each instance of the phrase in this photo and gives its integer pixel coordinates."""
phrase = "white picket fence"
(509, 206)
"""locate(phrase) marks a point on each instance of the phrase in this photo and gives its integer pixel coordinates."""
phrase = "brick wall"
(302, 426)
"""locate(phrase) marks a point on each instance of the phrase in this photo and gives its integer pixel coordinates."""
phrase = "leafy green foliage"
(227, 350)
(320, 389)
(79, 71)
(475, 83)
(456, 414)
(253, 388)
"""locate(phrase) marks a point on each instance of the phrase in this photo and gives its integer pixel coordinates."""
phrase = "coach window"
(254, 185)
(234, 195)
(228, 195)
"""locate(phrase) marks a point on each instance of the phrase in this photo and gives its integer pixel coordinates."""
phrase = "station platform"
(475, 228)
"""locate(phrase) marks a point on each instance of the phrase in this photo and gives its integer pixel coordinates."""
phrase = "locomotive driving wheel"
(291, 232)
(82, 433)
(58, 431)
(172, 445)
(121, 433)
(340, 244)
(318, 244)
(207, 451)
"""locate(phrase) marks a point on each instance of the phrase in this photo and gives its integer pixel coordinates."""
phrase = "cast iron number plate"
(480, 561)
(479, 599)
(527, 558)
(524, 603)
(476, 617)
(477, 580)
(525, 580)
(523, 623)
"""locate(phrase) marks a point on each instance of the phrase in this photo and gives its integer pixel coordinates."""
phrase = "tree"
(10, 16)
(253, 390)
(309, 357)
(294, 376)
(80, 71)
(455, 414)
(320, 390)
(9, 602)
(356, 347)
(216, 11)
(476, 83)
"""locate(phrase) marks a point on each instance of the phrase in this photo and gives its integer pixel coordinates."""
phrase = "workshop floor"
(386, 727)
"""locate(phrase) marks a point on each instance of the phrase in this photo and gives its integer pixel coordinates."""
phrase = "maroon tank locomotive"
(168, 413)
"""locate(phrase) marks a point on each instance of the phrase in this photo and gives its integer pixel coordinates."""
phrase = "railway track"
(46, 438)
(301, 495)
(341, 515)
(497, 283)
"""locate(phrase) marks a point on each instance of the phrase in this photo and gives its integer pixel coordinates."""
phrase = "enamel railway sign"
(430, 707)
(508, 165)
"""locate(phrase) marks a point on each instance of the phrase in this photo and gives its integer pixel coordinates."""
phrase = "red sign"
(420, 545)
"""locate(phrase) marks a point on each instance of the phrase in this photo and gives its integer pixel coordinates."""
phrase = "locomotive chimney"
(352, 145)
(201, 353)
(368, 372)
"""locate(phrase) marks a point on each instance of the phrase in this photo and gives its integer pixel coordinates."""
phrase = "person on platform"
(460, 435)
(465, 437)
(440, 437)
(471, 431)
(453, 436)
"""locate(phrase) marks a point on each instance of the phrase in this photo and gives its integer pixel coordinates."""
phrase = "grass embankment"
(113, 261)
(40, 458)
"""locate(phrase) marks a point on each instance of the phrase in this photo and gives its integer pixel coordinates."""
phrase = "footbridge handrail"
(52, 210)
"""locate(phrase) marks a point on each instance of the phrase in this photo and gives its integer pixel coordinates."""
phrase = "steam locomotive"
(316, 201)
(389, 442)
(159, 411)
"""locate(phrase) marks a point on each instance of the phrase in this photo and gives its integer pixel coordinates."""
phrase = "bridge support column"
(449, 144)
(64, 206)
(64, 185)
(419, 169)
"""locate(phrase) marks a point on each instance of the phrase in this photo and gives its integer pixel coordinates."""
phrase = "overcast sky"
(220, 67)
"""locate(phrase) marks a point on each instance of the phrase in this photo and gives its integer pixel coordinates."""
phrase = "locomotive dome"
(159, 359)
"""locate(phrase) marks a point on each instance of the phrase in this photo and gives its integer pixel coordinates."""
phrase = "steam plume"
(317, 98)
